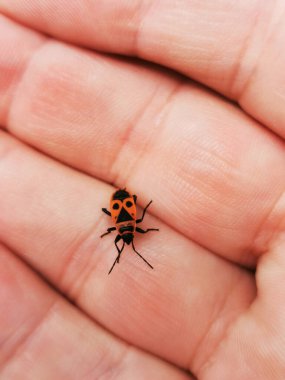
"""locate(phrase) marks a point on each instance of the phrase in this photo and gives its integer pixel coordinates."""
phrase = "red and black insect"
(123, 213)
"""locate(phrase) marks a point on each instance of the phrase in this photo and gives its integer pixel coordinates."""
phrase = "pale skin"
(77, 123)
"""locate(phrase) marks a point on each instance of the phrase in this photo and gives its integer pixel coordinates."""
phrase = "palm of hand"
(216, 177)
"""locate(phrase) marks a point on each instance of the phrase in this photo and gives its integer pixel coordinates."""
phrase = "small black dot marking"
(116, 206)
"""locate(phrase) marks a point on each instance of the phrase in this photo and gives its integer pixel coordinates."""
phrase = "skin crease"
(75, 120)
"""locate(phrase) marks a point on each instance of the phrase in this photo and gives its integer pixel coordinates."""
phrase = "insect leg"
(141, 219)
(140, 230)
(109, 230)
(135, 198)
(106, 211)
(118, 238)
(141, 256)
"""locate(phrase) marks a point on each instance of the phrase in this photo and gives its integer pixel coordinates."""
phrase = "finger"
(44, 337)
(101, 96)
(215, 189)
(206, 42)
(55, 223)
(254, 347)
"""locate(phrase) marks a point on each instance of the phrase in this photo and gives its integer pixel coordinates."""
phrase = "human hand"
(216, 177)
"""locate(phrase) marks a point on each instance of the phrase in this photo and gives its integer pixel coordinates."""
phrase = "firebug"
(123, 213)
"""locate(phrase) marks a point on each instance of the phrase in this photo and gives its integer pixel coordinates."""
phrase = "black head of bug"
(128, 238)
(121, 194)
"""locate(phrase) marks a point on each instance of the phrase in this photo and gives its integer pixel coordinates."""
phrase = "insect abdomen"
(126, 229)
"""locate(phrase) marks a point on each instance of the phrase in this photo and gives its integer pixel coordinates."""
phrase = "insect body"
(123, 213)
